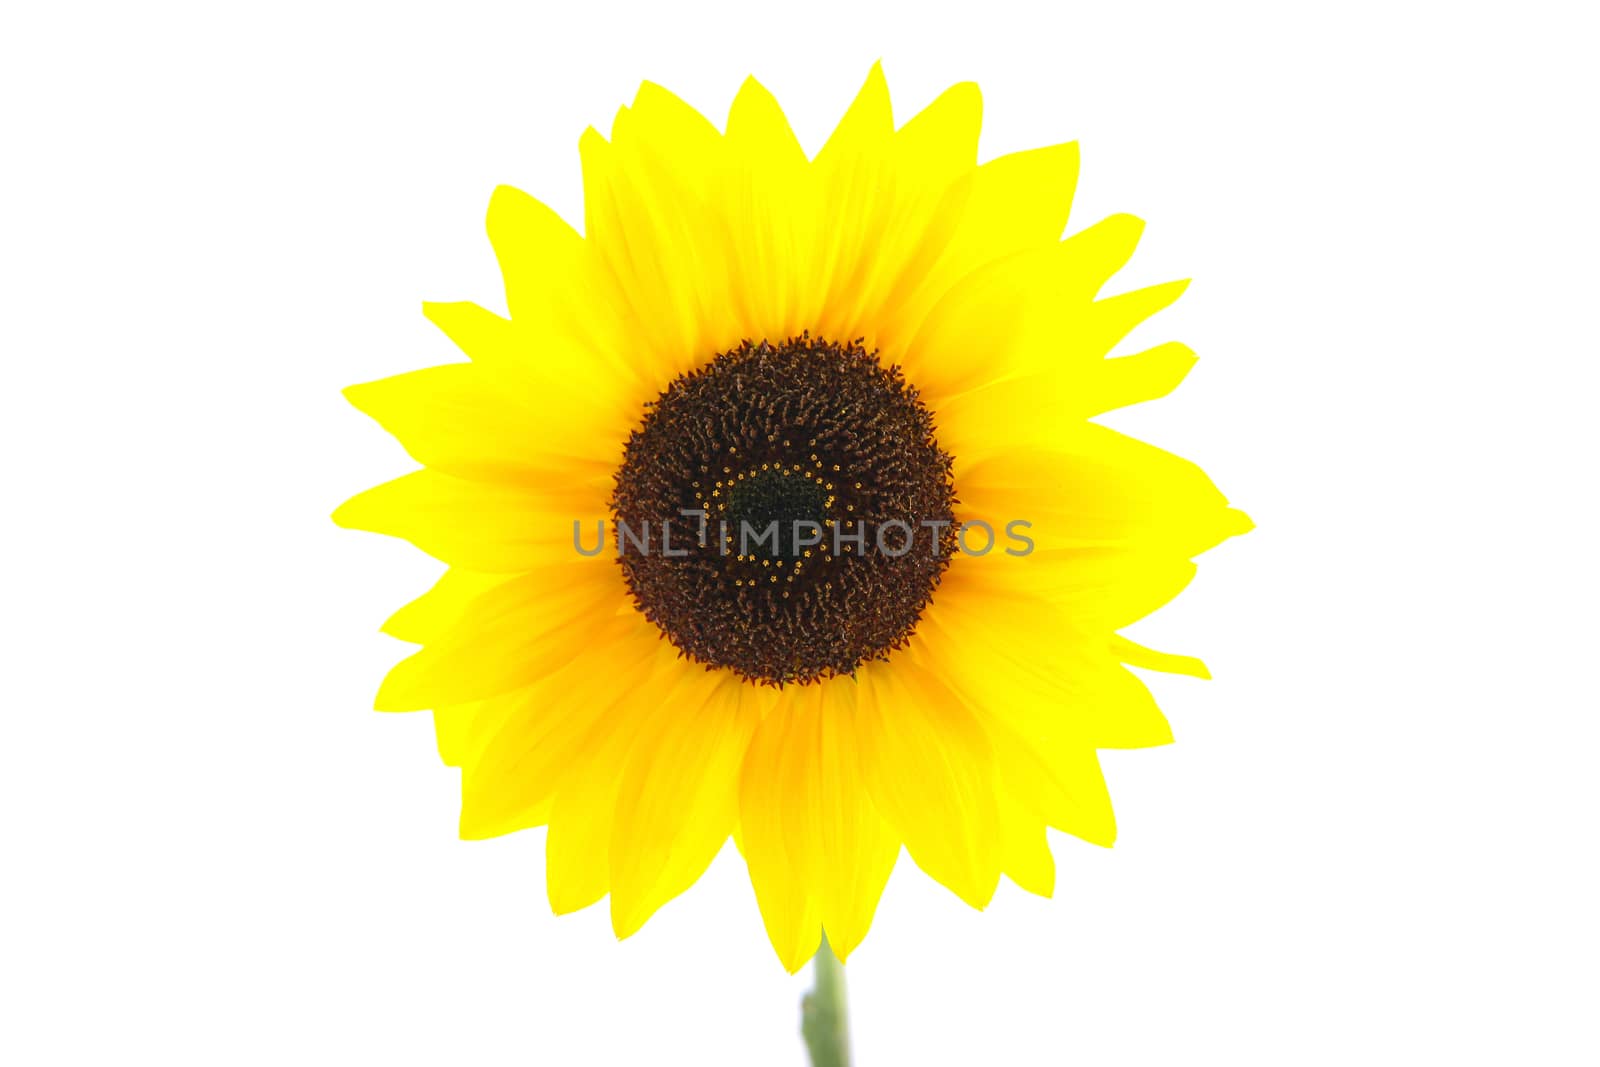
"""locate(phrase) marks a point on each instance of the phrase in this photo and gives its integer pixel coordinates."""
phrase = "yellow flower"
(885, 333)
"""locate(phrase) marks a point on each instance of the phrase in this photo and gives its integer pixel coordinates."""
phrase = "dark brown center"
(807, 507)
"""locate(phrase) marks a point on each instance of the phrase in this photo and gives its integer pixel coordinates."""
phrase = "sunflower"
(886, 354)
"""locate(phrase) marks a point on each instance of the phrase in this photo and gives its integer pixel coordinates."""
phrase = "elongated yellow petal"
(929, 768)
(478, 525)
(771, 208)
(1088, 594)
(1146, 375)
(1025, 314)
(855, 848)
(661, 240)
(540, 255)
(454, 729)
(1014, 204)
(759, 132)
(428, 616)
(572, 404)
(1024, 850)
(1112, 319)
(1099, 488)
(1019, 201)
(530, 745)
(821, 848)
(775, 794)
(1061, 781)
(866, 127)
(1138, 655)
(453, 419)
(940, 143)
(856, 247)
(1041, 675)
(895, 202)
(679, 795)
(1041, 409)
(507, 638)
(577, 853)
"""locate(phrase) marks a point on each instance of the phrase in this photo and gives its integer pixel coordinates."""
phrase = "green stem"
(824, 1022)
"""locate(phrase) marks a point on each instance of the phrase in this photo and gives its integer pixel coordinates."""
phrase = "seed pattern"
(800, 430)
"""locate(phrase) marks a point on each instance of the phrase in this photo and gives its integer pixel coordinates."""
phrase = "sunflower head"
(863, 554)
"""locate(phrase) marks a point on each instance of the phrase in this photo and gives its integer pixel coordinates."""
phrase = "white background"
(1374, 840)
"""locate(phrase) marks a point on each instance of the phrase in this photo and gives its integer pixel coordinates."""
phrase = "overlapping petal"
(818, 849)
(483, 526)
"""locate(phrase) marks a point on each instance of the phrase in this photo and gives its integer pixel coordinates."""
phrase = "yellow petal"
(508, 637)
(1112, 319)
(866, 127)
(853, 245)
(428, 616)
(1148, 658)
(1061, 781)
(679, 793)
(679, 133)
(774, 799)
(927, 764)
(1028, 665)
(481, 526)
(657, 234)
(542, 740)
(758, 130)
(1099, 489)
(1017, 203)
(820, 844)
(571, 404)
(855, 848)
(453, 729)
(1028, 313)
(771, 213)
(453, 418)
(894, 201)
(941, 141)
(1146, 375)
(1024, 850)
(1043, 409)
(576, 848)
(538, 252)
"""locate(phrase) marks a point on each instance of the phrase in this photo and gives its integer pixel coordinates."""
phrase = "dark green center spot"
(776, 496)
